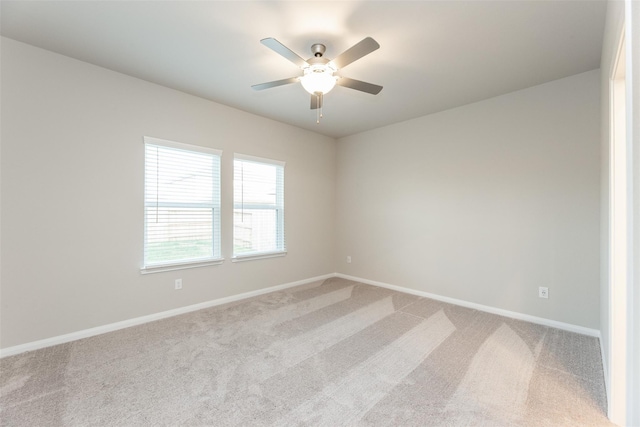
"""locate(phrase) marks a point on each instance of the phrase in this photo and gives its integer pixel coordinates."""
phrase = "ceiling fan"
(318, 72)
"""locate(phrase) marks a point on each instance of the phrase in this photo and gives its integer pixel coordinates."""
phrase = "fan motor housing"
(317, 60)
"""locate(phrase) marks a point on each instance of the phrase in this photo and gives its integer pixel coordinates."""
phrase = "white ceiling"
(434, 55)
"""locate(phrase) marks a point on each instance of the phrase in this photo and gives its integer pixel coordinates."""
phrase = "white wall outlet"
(543, 292)
(178, 284)
(348, 259)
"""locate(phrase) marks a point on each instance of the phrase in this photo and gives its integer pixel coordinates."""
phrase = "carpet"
(331, 353)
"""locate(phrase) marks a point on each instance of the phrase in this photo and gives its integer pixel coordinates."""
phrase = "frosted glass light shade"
(318, 79)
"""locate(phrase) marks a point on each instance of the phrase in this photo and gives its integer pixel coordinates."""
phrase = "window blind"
(181, 202)
(258, 202)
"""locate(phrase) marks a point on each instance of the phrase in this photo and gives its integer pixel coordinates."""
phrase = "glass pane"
(254, 183)
(178, 176)
(178, 234)
(254, 230)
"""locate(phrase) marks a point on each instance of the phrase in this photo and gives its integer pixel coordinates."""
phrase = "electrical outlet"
(348, 259)
(543, 292)
(178, 284)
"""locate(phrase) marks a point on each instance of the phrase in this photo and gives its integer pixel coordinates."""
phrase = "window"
(181, 205)
(258, 207)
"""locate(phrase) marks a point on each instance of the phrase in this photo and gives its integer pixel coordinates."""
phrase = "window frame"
(281, 249)
(215, 205)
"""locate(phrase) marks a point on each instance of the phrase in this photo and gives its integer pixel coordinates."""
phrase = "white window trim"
(180, 266)
(259, 255)
(258, 159)
(182, 146)
(195, 263)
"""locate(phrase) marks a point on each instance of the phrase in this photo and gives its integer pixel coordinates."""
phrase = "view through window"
(258, 202)
(182, 203)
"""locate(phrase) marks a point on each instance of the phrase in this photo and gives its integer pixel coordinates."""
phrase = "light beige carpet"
(337, 353)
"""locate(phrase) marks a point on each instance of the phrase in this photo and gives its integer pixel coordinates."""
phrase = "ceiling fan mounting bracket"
(318, 49)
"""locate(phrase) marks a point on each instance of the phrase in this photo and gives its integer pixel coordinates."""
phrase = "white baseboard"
(499, 311)
(605, 372)
(61, 339)
(73, 336)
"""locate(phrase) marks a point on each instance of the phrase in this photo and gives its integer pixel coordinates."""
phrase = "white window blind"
(181, 204)
(258, 207)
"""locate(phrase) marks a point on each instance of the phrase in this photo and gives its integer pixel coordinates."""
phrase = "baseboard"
(73, 336)
(499, 311)
(605, 372)
(61, 339)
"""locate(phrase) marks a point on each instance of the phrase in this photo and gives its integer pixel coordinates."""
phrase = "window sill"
(180, 266)
(263, 255)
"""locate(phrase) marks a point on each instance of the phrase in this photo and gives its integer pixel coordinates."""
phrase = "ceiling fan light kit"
(318, 72)
(318, 78)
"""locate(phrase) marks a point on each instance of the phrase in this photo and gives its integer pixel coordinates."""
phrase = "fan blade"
(281, 49)
(359, 85)
(355, 52)
(316, 100)
(275, 83)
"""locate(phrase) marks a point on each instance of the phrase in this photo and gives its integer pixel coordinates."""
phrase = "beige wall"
(483, 203)
(72, 193)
